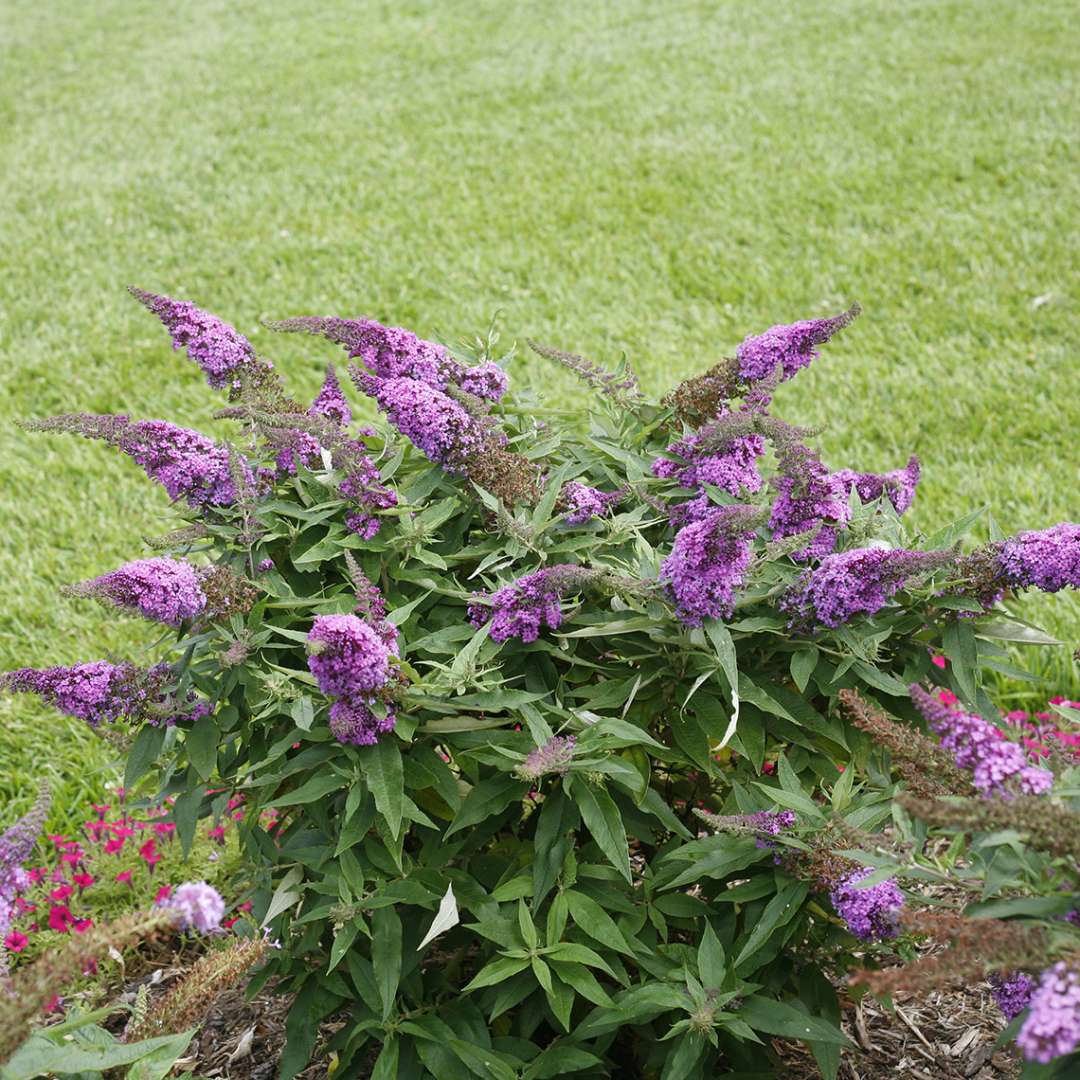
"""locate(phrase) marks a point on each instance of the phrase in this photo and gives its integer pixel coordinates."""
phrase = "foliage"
(459, 704)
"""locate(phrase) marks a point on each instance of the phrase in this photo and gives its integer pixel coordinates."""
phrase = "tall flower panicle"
(370, 602)
(523, 607)
(792, 347)
(97, 692)
(486, 381)
(808, 497)
(1011, 992)
(584, 503)
(330, 400)
(363, 486)
(998, 767)
(1052, 1027)
(17, 843)
(347, 657)
(1048, 559)
(763, 822)
(162, 589)
(872, 912)
(621, 386)
(899, 485)
(198, 906)
(555, 756)
(732, 468)
(708, 562)
(219, 349)
(861, 581)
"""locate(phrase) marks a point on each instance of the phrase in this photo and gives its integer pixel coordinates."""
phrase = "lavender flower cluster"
(523, 607)
(1012, 992)
(219, 349)
(790, 347)
(1052, 1027)
(808, 497)
(16, 847)
(584, 503)
(197, 906)
(161, 589)
(351, 662)
(998, 766)
(860, 581)
(708, 562)
(1047, 559)
(555, 756)
(899, 485)
(870, 912)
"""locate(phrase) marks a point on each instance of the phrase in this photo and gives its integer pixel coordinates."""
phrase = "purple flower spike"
(330, 400)
(856, 582)
(219, 349)
(487, 381)
(523, 607)
(555, 756)
(585, 503)
(1052, 1028)
(1048, 560)
(163, 590)
(708, 562)
(348, 658)
(791, 347)
(198, 906)
(1012, 992)
(899, 485)
(871, 913)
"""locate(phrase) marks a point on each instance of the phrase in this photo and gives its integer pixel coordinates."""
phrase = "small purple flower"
(871, 913)
(16, 846)
(1012, 992)
(1052, 1027)
(265, 565)
(808, 495)
(861, 581)
(214, 345)
(161, 589)
(487, 381)
(792, 346)
(198, 906)
(585, 503)
(555, 756)
(998, 767)
(330, 400)
(97, 692)
(354, 723)
(347, 657)
(708, 562)
(899, 485)
(523, 607)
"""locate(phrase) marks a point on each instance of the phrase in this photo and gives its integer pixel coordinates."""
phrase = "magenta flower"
(215, 346)
(1012, 992)
(161, 589)
(487, 381)
(347, 657)
(330, 400)
(1048, 560)
(354, 723)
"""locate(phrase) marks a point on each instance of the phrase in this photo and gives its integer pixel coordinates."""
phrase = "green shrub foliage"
(545, 702)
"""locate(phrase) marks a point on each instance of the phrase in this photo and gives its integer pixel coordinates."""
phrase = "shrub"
(550, 716)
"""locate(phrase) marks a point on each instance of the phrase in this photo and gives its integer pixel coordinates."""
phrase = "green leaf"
(582, 980)
(779, 911)
(386, 1065)
(202, 744)
(185, 814)
(312, 790)
(803, 664)
(778, 1018)
(596, 922)
(959, 646)
(560, 1060)
(385, 777)
(489, 797)
(496, 971)
(684, 1055)
(712, 964)
(603, 820)
(579, 954)
(386, 956)
(525, 925)
(143, 753)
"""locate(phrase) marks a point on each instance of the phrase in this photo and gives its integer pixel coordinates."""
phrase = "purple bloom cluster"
(871, 913)
(998, 767)
(351, 661)
(555, 756)
(330, 400)
(363, 485)
(161, 589)
(1048, 559)
(585, 503)
(1012, 992)
(733, 469)
(1052, 1027)
(187, 464)
(523, 607)
(97, 692)
(791, 347)
(861, 581)
(436, 424)
(808, 496)
(899, 485)
(16, 846)
(198, 906)
(487, 381)
(219, 349)
(708, 562)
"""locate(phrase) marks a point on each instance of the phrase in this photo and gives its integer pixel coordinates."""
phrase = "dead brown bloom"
(701, 397)
(623, 390)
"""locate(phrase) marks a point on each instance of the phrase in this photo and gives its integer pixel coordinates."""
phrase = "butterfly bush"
(574, 800)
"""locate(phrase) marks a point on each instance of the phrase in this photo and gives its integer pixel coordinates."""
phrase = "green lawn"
(655, 178)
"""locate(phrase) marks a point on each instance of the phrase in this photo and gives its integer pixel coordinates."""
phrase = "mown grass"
(655, 179)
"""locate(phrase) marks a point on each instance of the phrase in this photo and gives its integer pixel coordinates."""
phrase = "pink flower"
(165, 828)
(16, 942)
(37, 874)
(113, 846)
(60, 918)
(947, 697)
(217, 834)
(768, 768)
(163, 894)
(84, 881)
(101, 809)
(245, 906)
(124, 877)
(61, 893)
(24, 906)
(938, 661)
(82, 925)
